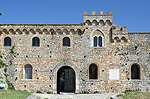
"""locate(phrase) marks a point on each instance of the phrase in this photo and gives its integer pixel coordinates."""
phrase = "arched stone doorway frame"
(77, 76)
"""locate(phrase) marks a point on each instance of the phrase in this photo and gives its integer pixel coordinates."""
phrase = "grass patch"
(134, 95)
(14, 94)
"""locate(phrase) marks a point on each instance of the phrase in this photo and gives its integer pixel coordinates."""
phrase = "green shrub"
(1, 82)
(49, 92)
(10, 62)
(84, 92)
(120, 95)
(129, 90)
(1, 56)
(5, 70)
(38, 91)
(96, 92)
(2, 64)
(1, 77)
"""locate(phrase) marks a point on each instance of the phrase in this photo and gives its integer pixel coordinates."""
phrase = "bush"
(2, 64)
(1, 77)
(127, 91)
(96, 92)
(5, 70)
(38, 92)
(84, 92)
(49, 92)
(120, 95)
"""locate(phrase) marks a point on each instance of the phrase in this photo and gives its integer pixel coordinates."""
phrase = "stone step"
(66, 93)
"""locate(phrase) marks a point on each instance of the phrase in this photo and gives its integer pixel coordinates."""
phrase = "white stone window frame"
(98, 40)
(92, 39)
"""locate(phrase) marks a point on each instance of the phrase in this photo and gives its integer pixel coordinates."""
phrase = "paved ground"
(73, 96)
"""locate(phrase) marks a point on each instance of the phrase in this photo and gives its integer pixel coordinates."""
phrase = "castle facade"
(96, 56)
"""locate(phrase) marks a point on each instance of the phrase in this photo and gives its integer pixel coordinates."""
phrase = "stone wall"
(120, 50)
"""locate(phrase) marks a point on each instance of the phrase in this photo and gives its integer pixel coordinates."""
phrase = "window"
(7, 41)
(66, 41)
(95, 41)
(28, 71)
(135, 71)
(92, 71)
(99, 40)
(35, 41)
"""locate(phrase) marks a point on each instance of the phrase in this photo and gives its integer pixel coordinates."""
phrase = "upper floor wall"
(95, 26)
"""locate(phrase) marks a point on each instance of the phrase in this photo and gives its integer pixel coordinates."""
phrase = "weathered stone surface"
(120, 50)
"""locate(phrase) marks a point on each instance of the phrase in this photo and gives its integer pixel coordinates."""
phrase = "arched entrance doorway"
(65, 79)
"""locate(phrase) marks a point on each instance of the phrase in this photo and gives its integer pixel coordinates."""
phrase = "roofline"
(41, 24)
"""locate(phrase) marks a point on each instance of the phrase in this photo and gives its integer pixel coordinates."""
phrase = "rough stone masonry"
(103, 57)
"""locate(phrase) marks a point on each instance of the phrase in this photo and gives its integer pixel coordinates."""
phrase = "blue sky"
(132, 13)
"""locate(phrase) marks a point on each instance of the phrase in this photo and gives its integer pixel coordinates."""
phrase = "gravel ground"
(73, 96)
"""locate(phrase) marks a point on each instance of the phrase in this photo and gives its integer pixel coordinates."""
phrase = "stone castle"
(96, 56)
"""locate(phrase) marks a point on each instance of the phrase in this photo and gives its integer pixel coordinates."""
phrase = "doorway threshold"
(66, 93)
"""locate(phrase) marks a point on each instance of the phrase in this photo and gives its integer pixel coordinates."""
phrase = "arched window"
(35, 41)
(7, 41)
(100, 41)
(135, 71)
(93, 71)
(28, 71)
(95, 41)
(66, 41)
